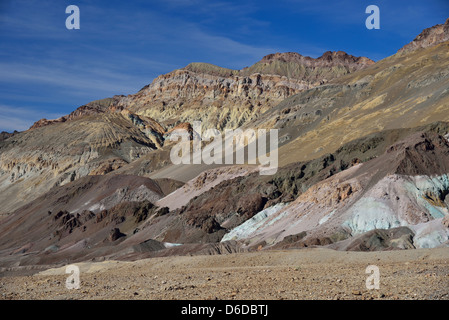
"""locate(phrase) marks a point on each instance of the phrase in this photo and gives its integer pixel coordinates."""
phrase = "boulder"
(115, 234)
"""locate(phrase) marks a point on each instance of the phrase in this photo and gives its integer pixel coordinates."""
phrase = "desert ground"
(304, 274)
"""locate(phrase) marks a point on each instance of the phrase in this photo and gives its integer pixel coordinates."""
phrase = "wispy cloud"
(88, 81)
(239, 53)
(21, 118)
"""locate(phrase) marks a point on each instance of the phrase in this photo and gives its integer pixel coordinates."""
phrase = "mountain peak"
(208, 68)
(428, 37)
(341, 57)
(282, 56)
(337, 57)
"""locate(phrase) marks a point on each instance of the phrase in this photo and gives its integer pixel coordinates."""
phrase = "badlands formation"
(363, 177)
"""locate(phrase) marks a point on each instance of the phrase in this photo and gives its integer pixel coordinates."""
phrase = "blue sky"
(47, 71)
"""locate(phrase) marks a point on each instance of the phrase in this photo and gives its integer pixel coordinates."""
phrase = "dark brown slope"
(80, 214)
(207, 217)
(394, 201)
(421, 153)
(418, 153)
(67, 224)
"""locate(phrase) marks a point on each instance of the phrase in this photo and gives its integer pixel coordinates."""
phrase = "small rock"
(234, 293)
(115, 234)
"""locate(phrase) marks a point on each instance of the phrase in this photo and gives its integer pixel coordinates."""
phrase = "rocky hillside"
(104, 135)
(225, 98)
(363, 155)
(406, 187)
(401, 91)
(34, 161)
(385, 181)
(429, 37)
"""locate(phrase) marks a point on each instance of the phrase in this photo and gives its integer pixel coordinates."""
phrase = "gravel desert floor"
(270, 275)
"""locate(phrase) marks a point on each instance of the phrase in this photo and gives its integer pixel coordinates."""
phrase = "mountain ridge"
(428, 37)
(262, 85)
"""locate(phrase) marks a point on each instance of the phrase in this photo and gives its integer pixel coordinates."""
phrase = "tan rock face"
(184, 96)
(429, 37)
(224, 98)
(92, 108)
(34, 161)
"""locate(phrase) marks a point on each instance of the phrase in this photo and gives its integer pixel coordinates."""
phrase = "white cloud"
(226, 45)
(100, 82)
(21, 118)
(10, 124)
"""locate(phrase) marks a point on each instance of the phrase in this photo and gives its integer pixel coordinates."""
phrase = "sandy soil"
(286, 274)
